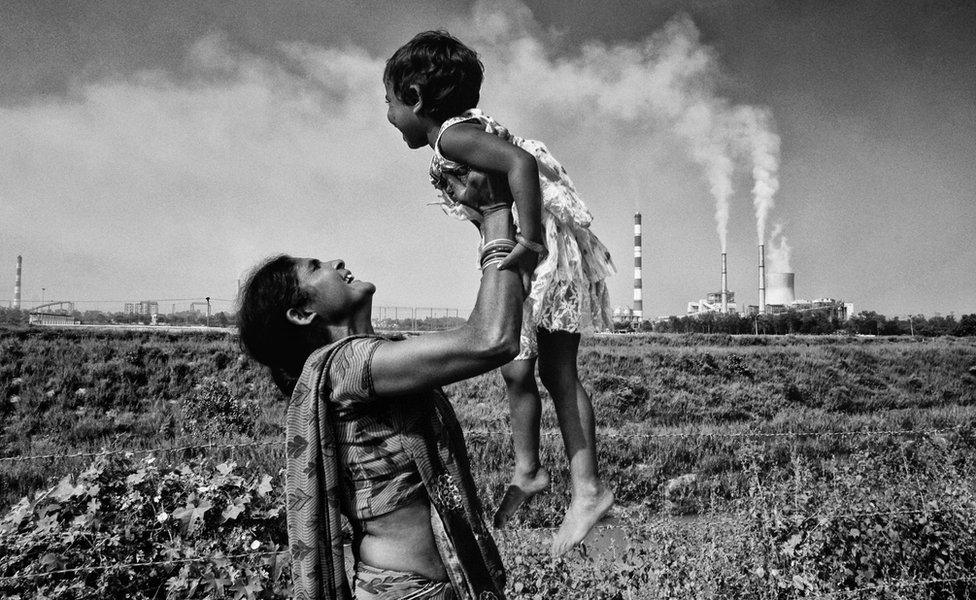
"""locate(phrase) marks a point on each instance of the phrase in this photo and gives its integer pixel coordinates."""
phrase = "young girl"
(433, 85)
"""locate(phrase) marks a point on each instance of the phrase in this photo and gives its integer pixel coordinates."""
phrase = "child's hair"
(447, 73)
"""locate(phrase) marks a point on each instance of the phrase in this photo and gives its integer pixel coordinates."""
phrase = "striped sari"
(313, 480)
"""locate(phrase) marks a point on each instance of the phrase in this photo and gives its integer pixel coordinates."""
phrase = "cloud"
(178, 178)
(144, 167)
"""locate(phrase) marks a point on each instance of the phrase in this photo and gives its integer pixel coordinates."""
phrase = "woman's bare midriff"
(402, 540)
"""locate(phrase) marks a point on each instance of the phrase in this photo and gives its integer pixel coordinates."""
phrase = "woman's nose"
(338, 264)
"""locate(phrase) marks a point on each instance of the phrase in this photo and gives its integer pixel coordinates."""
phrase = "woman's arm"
(489, 339)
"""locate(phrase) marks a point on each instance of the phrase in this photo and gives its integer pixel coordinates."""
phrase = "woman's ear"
(419, 104)
(299, 316)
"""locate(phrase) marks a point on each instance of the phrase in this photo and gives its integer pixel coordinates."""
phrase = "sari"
(313, 480)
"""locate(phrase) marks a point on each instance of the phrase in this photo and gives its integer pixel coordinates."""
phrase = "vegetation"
(813, 323)
(720, 449)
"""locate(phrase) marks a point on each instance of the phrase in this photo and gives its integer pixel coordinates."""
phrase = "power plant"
(777, 295)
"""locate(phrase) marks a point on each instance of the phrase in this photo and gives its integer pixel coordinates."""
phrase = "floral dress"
(569, 291)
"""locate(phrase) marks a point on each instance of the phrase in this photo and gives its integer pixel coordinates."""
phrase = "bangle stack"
(495, 251)
(533, 246)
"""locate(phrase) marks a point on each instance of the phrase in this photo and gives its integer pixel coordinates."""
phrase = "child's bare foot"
(582, 515)
(518, 493)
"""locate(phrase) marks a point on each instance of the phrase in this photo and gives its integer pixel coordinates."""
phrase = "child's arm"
(483, 151)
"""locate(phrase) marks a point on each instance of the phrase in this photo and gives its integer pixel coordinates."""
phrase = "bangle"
(495, 262)
(496, 249)
(501, 242)
(499, 247)
(533, 246)
(492, 257)
(487, 258)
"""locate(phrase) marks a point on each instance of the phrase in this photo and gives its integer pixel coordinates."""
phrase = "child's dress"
(569, 291)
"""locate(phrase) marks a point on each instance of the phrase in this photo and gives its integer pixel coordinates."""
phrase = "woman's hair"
(265, 332)
(447, 73)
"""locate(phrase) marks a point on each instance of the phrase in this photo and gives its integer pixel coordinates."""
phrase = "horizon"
(161, 150)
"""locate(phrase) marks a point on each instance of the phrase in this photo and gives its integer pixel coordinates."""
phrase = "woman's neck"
(358, 323)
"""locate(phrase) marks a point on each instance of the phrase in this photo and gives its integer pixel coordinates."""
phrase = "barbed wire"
(139, 451)
(898, 584)
(126, 565)
(476, 433)
(758, 434)
(691, 522)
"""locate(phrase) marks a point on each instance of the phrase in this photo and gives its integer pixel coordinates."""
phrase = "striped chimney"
(20, 264)
(762, 279)
(638, 286)
(725, 287)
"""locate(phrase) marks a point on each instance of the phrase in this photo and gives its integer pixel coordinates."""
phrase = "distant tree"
(868, 322)
(13, 316)
(966, 326)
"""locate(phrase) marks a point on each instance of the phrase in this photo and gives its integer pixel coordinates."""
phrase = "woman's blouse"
(378, 475)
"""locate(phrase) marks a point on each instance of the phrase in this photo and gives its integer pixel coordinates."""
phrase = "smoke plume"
(757, 140)
(665, 85)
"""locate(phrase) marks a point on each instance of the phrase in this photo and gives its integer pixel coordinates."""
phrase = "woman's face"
(334, 292)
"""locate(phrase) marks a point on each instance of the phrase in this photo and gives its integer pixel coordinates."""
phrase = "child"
(432, 87)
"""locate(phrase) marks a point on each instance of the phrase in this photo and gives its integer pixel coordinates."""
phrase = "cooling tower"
(638, 285)
(20, 263)
(779, 288)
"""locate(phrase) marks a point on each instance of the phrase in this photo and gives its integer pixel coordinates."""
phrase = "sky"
(160, 149)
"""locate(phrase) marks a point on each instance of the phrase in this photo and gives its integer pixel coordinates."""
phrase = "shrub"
(213, 410)
(117, 511)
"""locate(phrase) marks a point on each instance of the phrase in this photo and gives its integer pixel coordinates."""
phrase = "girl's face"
(334, 292)
(405, 118)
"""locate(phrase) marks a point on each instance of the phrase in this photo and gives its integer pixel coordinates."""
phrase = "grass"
(714, 445)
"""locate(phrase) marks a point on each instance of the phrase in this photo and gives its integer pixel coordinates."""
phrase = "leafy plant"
(134, 530)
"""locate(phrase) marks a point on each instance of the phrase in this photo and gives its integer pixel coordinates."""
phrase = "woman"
(371, 435)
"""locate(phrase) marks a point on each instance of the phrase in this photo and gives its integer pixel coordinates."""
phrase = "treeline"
(793, 322)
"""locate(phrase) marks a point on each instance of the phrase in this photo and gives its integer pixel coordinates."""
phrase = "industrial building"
(145, 307)
(714, 302)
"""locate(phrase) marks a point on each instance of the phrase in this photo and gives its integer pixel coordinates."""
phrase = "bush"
(121, 511)
(213, 410)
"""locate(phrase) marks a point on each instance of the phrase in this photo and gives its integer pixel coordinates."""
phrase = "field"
(744, 467)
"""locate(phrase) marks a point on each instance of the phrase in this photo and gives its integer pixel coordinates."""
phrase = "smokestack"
(20, 264)
(638, 286)
(725, 287)
(762, 279)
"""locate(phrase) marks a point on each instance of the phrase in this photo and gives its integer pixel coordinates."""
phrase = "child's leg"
(529, 478)
(591, 497)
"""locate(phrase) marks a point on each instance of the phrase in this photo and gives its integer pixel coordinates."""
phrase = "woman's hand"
(489, 339)
(475, 191)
